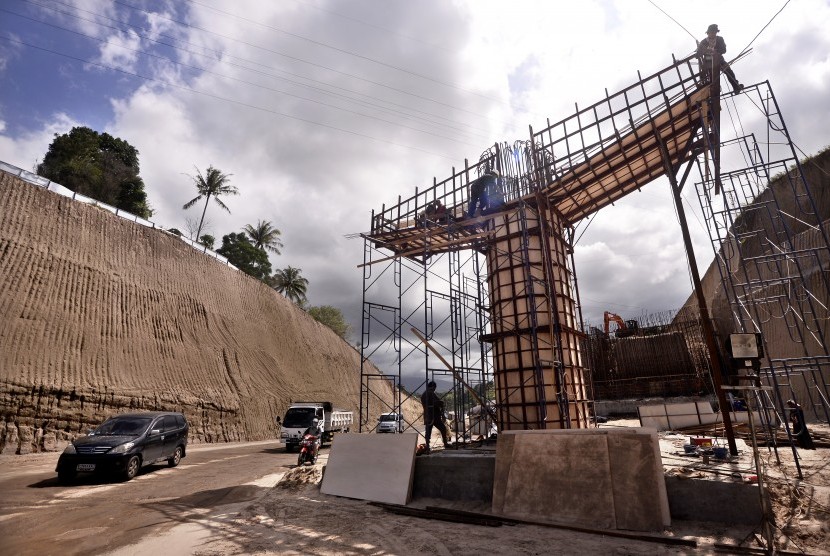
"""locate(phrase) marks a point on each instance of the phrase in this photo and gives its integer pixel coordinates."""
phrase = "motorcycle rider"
(316, 431)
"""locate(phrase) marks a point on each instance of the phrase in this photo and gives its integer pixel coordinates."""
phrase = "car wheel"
(132, 467)
(65, 475)
(175, 458)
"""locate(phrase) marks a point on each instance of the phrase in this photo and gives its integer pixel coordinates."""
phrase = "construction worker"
(802, 435)
(712, 49)
(433, 414)
(479, 192)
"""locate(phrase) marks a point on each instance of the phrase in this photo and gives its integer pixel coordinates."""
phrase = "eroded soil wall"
(100, 315)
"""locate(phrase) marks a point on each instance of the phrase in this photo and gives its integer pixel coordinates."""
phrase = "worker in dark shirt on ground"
(713, 48)
(805, 441)
(433, 414)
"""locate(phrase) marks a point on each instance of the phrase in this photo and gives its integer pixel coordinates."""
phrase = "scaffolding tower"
(497, 293)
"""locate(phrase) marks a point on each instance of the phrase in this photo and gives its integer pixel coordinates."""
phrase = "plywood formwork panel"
(371, 467)
(539, 374)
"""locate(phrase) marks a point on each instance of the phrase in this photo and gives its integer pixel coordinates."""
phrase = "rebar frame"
(527, 322)
(772, 250)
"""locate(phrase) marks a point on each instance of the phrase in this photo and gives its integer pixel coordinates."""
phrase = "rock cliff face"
(99, 315)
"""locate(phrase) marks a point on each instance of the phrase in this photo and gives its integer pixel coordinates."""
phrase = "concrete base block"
(455, 475)
(720, 501)
(595, 478)
(377, 467)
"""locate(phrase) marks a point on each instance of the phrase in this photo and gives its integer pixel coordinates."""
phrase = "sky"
(323, 111)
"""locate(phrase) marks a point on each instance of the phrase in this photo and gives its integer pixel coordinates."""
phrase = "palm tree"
(290, 283)
(265, 236)
(213, 183)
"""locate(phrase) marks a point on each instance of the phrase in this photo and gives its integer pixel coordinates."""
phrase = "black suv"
(123, 444)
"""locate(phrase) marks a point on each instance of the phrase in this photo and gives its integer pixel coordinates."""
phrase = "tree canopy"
(242, 254)
(331, 317)
(207, 240)
(99, 166)
(213, 184)
(265, 236)
(290, 283)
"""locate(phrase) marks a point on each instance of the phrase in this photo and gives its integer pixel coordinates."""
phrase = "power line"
(764, 28)
(225, 99)
(673, 19)
(207, 71)
(369, 24)
(185, 24)
(353, 76)
(341, 50)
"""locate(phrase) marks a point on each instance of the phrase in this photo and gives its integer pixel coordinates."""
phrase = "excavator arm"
(610, 317)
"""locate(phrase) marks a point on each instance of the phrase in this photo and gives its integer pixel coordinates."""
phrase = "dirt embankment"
(99, 315)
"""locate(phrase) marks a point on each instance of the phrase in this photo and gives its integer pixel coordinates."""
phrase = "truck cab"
(390, 422)
(301, 415)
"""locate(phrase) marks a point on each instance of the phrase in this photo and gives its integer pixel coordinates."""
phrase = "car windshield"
(387, 418)
(123, 426)
(298, 417)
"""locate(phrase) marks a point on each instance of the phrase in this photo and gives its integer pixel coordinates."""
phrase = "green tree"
(213, 184)
(207, 240)
(99, 166)
(265, 236)
(331, 317)
(290, 283)
(243, 255)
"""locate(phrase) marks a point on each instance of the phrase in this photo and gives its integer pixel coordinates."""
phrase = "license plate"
(86, 467)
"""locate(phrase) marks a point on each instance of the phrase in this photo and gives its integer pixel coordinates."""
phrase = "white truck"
(301, 415)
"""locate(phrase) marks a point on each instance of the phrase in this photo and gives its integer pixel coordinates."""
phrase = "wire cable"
(324, 45)
(673, 19)
(763, 28)
(216, 54)
(225, 99)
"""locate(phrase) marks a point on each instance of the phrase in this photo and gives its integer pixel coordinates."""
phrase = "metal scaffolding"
(497, 293)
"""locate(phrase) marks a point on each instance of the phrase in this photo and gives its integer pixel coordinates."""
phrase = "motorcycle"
(309, 447)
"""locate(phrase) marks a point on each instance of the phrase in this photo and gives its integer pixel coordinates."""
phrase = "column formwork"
(538, 368)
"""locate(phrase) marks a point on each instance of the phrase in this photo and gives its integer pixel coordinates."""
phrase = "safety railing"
(49, 185)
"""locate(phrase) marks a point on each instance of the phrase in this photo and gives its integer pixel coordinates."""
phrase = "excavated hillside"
(100, 315)
(778, 323)
(802, 223)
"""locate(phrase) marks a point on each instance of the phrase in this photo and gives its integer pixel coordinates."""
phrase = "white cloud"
(120, 50)
(494, 68)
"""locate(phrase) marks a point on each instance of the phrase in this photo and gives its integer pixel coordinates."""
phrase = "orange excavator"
(610, 317)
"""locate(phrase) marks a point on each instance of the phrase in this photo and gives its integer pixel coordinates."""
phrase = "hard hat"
(315, 422)
(493, 172)
(713, 28)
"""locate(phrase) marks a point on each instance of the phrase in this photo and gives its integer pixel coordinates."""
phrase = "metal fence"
(49, 185)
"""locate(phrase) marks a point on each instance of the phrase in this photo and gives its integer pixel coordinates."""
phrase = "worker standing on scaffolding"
(712, 49)
(479, 192)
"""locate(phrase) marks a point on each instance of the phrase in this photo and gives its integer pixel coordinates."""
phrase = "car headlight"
(123, 448)
(284, 435)
(69, 449)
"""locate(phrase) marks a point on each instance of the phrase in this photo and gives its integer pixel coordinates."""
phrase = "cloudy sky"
(325, 110)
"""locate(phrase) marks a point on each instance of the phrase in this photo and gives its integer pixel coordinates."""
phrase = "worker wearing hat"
(713, 48)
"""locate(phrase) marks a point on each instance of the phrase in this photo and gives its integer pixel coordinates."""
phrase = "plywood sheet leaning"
(372, 467)
(592, 478)
(673, 416)
(690, 414)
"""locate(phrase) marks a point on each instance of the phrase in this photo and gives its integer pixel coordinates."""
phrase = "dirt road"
(94, 515)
